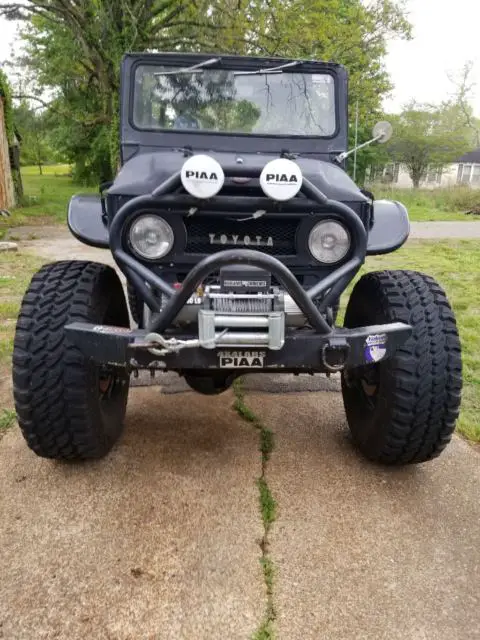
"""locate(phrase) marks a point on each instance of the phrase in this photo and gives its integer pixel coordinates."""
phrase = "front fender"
(391, 227)
(85, 221)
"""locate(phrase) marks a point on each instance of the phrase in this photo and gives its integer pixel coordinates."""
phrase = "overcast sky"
(445, 36)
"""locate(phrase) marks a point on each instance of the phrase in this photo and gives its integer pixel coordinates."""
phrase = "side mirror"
(382, 132)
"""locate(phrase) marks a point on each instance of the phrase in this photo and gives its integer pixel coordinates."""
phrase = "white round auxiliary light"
(202, 176)
(281, 179)
(151, 237)
(329, 242)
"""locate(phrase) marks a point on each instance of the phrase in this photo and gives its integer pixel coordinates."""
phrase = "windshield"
(281, 103)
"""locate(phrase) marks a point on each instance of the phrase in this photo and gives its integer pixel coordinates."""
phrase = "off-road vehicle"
(237, 229)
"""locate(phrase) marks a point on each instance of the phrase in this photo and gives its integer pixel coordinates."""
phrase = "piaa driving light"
(329, 242)
(151, 237)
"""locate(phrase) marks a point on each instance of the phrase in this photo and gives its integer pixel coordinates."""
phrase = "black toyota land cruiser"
(237, 229)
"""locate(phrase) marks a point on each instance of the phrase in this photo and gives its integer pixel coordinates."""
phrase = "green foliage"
(73, 50)
(351, 32)
(268, 572)
(428, 137)
(265, 632)
(374, 155)
(6, 95)
(7, 419)
(268, 504)
(34, 127)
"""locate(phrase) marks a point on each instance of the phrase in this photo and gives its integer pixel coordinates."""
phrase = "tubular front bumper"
(165, 198)
(321, 348)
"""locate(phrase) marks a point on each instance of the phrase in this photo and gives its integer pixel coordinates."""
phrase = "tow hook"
(172, 345)
(335, 354)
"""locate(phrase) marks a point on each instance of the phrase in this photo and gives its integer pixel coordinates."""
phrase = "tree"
(464, 87)
(374, 155)
(351, 32)
(73, 50)
(427, 137)
(36, 130)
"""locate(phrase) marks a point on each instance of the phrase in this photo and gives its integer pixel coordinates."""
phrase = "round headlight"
(151, 237)
(329, 242)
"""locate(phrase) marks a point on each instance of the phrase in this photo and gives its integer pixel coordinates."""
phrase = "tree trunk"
(7, 190)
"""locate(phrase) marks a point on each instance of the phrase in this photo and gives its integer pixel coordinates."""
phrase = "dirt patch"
(44, 229)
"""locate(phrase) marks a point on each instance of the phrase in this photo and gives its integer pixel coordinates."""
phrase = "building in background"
(465, 171)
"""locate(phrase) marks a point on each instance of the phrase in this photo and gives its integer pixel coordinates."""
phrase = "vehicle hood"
(144, 172)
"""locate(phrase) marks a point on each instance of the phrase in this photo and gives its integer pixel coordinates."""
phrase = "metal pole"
(356, 145)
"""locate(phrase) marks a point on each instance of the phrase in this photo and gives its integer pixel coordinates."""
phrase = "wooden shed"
(7, 187)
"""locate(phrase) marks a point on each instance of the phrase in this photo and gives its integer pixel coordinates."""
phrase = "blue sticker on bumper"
(375, 347)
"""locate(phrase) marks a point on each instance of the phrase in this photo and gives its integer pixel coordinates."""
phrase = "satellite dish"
(383, 131)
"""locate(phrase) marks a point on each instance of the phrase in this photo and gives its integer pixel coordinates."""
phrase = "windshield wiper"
(197, 68)
(261, 72)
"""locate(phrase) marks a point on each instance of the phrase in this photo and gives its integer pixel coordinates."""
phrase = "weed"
(268, 506)
(265, 632)
(244, 411)
(266, 443)
(7, 419)
(268, 510)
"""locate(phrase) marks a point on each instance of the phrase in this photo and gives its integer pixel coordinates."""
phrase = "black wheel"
(403, 410)
(67, 406)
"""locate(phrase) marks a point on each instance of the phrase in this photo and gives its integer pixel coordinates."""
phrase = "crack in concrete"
(268, 508)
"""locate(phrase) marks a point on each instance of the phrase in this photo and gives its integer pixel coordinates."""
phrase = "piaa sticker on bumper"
(241, 359)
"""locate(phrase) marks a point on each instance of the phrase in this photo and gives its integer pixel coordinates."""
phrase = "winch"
(245, 292)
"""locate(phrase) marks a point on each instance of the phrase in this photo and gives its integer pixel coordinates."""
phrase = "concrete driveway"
(445, 230)
(163, 539)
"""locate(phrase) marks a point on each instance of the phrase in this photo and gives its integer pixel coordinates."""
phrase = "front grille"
(208, 234)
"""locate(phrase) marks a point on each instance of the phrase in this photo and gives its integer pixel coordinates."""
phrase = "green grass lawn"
(46, 197)
(456, 266)
(16, 270)
(427, 205)
(418, 213)
(47, 170)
